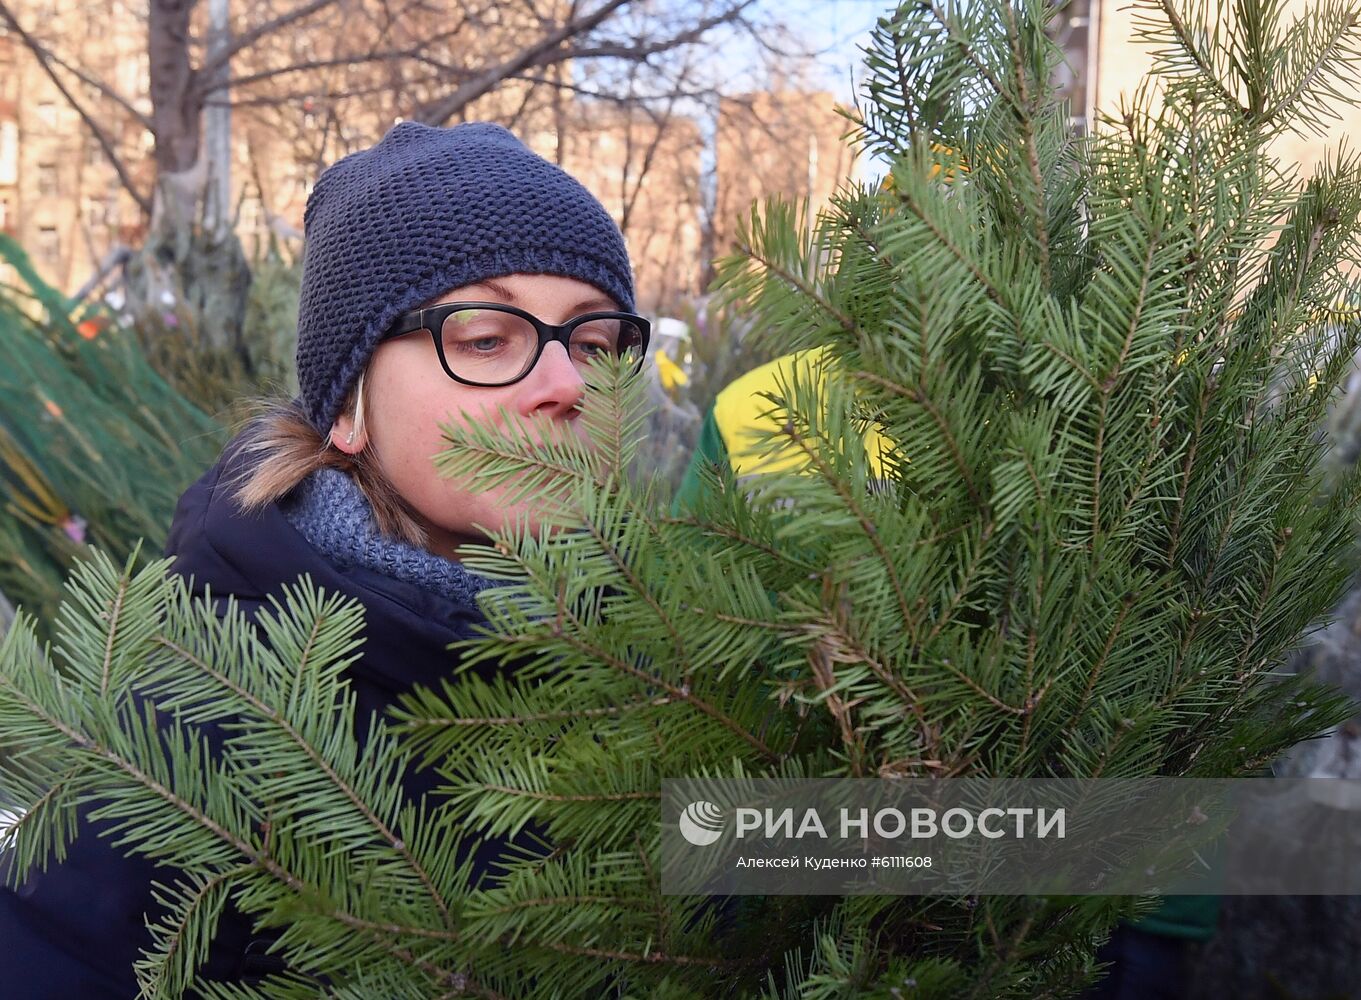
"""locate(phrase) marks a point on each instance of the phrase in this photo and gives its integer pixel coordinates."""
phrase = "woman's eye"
(478, 345)
(595, 341)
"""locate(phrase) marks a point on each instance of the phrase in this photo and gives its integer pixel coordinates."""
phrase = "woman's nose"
(554, 387)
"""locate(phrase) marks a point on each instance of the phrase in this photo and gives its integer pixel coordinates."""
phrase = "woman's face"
(407, 395)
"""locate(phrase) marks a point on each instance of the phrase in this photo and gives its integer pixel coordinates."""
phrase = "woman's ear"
(348, 433)
(345, 436)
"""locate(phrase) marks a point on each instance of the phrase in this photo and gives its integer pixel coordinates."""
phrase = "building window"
(9, 152)
(142, 86)
(4, 215)
(47, 113)
(252, 216)
(49, 246)
(95, 211)
(47, 180)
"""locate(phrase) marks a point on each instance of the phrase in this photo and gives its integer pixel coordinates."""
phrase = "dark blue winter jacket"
(74, 931)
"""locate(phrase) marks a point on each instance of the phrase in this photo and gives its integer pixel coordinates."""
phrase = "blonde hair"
(285, 449)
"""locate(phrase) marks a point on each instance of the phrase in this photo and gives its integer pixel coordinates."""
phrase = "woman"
(448, 273)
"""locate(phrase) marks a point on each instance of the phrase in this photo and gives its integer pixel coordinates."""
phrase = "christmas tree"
(1103, 364)
(95, 445)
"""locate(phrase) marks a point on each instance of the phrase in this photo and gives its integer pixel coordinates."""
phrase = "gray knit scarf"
(328, 509)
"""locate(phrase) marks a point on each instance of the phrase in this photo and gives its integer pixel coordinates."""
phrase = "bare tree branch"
(640, 53)
(540, 53)
(292, 97)
(248, 38)
(344, 60)
(612, 97)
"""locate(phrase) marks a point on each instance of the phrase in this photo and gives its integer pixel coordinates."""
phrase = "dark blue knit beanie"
(423, 211)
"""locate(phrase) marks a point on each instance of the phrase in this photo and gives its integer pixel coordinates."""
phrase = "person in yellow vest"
(1150, 957)
(730, 436)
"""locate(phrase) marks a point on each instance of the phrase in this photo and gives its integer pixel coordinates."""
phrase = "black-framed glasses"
(489, 344)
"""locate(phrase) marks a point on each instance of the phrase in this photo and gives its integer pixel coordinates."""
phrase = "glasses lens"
(483, 345)
(598, 337)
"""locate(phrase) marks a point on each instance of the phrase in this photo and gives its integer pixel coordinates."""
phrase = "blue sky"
(837, 28)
